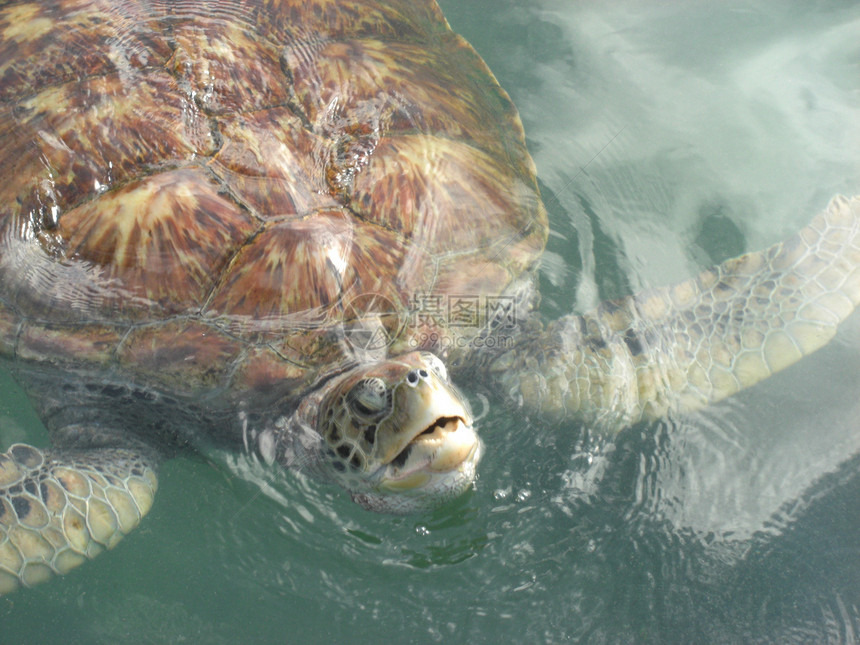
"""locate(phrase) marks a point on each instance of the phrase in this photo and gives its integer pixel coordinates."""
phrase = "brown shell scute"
(99, 37)
(73, 142)
(240, 73)
(165, 240)
(318, 20)
(466, 206)
(272, 164)
(182, 354)
(52, 343)
(201, 190)
(298, 272)
(290, 271)
(399, 87)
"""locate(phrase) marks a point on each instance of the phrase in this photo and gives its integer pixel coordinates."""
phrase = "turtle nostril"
(414, 376)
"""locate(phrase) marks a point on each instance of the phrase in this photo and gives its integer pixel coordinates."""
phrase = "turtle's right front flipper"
(697, 342)
(59, 508)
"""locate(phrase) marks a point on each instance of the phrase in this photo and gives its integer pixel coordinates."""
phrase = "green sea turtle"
(274, 226)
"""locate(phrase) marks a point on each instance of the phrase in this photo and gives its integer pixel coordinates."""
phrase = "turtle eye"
(369, 398)
(435, 363)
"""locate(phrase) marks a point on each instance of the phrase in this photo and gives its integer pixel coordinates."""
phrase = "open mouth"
(443, 423)
(433, 436)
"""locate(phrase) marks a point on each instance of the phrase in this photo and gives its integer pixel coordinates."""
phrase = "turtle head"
(398, 434)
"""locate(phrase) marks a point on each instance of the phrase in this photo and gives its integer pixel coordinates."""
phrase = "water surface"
(667, 136)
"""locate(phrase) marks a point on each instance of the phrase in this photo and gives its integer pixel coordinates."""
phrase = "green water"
(667, 136)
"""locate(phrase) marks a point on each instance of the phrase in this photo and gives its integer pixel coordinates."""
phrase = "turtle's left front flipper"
(59, 508)
(682, 347)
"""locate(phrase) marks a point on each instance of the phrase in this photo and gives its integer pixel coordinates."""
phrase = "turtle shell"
(206, 195)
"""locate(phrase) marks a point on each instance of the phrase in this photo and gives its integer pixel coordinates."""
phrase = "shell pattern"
(202, 195)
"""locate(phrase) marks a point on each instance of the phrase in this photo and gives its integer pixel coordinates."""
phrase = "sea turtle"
(274, 226)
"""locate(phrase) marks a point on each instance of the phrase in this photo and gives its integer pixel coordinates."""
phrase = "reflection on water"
(666, 137)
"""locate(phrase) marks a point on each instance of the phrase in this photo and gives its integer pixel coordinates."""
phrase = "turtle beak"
(437, 439)
(444, 446)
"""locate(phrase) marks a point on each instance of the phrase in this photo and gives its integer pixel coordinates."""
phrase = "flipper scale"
(63, 508)
(681, 347)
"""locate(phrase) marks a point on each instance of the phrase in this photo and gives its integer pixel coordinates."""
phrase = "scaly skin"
(57, 509)
(682, 347)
